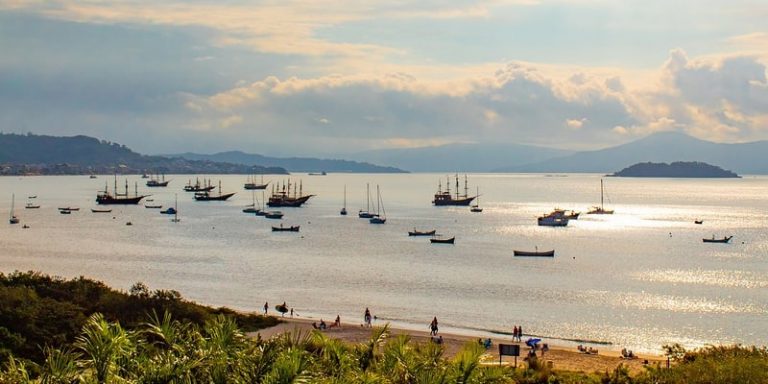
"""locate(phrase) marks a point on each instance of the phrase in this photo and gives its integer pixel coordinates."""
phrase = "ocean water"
(639, 278)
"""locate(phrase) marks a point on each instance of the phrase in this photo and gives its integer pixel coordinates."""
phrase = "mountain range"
(292, 164)
(39, 154)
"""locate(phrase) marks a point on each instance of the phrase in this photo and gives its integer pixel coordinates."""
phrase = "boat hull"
(723, 240)
(251, 186)
(110, 200)
(443, 241)
(535, 253)
(442, 202)
(293, 228)
(420, 233)
(207, 197)
(284, 201)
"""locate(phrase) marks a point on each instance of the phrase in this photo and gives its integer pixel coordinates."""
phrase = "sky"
(328, 78)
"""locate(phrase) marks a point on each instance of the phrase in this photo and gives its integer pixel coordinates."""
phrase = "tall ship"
(157, 182)
(106, 198)
(445, 197)
(208, 196)
(283, 196)
(205, 186)
(252, 184)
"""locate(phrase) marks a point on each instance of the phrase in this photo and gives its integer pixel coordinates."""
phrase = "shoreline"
(559, 356)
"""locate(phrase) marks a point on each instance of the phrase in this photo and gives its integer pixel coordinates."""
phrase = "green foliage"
(38, 310)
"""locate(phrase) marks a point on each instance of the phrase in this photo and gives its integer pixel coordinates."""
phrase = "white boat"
(381, 215)
(367, 213)
(13, 219)
(176, 209)
(600, 210)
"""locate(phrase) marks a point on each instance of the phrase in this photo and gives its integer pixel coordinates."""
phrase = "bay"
(639, 278)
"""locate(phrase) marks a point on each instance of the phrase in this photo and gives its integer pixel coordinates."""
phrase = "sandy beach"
(560, 357)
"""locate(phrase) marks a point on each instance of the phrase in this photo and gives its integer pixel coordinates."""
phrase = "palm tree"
(103, 344)
(60, 367)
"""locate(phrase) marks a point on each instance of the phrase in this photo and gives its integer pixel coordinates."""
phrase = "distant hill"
(693, 169)
(292, 164)
(747, 158)
(37, 154)
(460, 157)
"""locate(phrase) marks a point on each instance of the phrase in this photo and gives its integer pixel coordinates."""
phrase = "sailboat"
(252, 208)
(381, 215)
(367, 213)
(344, 209)
(600, 210)
(176, 209)
(476, 206)
(444, 197)
(251, 183)
(206, 196)
(13, 219)
(106, 198)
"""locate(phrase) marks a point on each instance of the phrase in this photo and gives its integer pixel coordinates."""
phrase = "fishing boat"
(207, 196)
(725, 239)
(281, 228)
(273, 215)
(13, 219)
(283, 197)
(421, 233)
(600, 210)
(175, 209)
(95, 210)
(535, 253)
(440, 240)
(444, 197)
(198, 187)
(343, 211)
(252, 184)
(157, 182)
(552, 221)
(367, 214)
(381, 214)
(697, 221)
(476, 207)
(106, 198)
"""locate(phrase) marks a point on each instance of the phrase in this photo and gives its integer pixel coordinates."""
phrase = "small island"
(692, 169)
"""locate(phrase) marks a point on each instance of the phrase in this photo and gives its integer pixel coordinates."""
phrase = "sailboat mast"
(378, 200)
(13, 201)
(601, 194)
(368, 197)
(466, 192)
(345, 197)
(457, 186)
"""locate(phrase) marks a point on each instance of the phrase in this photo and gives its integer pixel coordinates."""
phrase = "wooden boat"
(251, 184)
(535, 253)
(698, 221)
(106, 198)
(71, 209)
(157, 182)
(94, 210)
(421, 233)
(438, 240)
(343, 211)
(380, 217)
(31, 206)
(284, 198)
(367, 214)
(198, 187)
(65, 211)
(153, 206)
(713, 240)
(600, 210)
(281, 228)
(13, 219)
(476, 207)
(207, 196)
(273, 215)
(444, 197)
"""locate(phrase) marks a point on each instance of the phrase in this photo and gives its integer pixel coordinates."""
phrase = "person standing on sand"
(519, 333)
(433, 326)
(266, 307)
(367, 317)
(291, 311)
(514, 333)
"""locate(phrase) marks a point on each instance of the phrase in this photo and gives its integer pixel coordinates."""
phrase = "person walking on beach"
(519, 333)
(266, 307)
(514, 333)
(291, 311)
(433, 327)
(367, 317)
